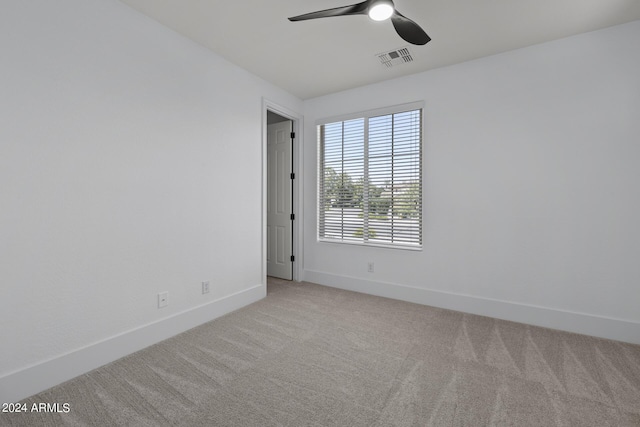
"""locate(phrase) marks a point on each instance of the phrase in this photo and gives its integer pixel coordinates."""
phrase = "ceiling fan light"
(381, 10)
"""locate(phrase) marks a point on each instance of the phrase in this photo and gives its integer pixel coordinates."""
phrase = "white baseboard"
(34, 379)
(581, 323)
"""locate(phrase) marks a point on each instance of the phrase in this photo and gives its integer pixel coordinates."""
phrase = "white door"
(279, 226)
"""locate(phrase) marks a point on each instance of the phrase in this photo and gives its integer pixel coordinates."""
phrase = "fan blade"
(409, 30)
(354, 9)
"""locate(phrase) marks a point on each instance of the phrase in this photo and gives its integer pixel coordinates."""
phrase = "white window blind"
(370, 180)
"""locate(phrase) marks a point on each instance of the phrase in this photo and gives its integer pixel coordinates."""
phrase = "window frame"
(367, 115)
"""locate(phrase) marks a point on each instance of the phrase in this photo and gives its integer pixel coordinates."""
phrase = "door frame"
(296, 203)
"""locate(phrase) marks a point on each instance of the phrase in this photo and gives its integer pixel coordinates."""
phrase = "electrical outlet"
(205, 288)
(163, 299)
(370, 267)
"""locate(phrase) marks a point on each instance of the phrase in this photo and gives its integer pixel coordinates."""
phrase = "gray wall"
(121, 145)
(531, 200)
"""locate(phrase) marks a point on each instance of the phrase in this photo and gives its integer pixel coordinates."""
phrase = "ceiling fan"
(378, 10)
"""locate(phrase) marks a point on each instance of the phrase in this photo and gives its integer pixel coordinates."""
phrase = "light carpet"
(310, 355)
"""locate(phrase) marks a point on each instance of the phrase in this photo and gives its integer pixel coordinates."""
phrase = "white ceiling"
(318, 57)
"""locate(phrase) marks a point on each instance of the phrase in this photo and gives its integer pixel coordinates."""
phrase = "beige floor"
(309, 355)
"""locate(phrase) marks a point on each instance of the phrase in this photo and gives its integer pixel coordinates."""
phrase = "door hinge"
(293, 258)
(293, 216)
(293, 176)
(293, 135)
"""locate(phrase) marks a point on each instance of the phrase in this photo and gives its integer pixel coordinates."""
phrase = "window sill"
(414, 248)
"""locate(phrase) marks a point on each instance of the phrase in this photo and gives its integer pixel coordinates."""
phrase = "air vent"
(395, 57)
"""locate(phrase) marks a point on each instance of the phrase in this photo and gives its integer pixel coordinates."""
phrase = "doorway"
(280, 177)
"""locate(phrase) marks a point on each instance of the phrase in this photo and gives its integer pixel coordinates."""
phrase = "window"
(370, 179)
